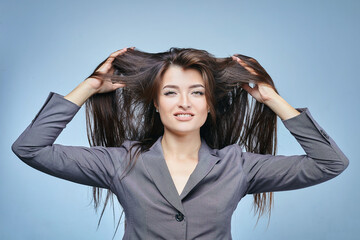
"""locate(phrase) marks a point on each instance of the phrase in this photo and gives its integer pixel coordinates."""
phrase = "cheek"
(166, 104)
(201, 104)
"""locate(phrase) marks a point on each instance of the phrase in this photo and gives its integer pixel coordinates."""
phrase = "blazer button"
(179, 217)
(324, 134)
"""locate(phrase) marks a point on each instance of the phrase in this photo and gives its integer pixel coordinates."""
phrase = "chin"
(183, 131)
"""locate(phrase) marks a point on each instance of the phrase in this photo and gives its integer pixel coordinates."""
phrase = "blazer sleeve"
(93, 166)
(323, 160)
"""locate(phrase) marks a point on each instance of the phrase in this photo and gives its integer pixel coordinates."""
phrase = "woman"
(177, 141)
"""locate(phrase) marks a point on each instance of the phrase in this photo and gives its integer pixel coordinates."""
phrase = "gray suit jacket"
(152, 205)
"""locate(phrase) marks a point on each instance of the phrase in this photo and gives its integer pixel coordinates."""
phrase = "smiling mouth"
(183, 116)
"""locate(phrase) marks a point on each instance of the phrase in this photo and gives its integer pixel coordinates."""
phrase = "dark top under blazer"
(152, 205)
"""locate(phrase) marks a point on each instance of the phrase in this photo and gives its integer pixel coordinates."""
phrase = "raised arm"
(94, 166)
(323, 159)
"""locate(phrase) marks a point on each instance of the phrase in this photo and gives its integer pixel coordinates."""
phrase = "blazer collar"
(155, 164)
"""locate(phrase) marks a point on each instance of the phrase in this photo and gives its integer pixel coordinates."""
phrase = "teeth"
(184, 115)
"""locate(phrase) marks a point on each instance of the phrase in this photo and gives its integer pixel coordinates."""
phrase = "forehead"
(176, 75)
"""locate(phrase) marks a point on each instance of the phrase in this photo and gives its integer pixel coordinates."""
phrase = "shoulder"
(128, 144)
(123, 149)
(233, 151)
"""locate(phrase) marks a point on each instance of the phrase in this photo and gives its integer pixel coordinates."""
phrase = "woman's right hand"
(102, 86)
(94, 85)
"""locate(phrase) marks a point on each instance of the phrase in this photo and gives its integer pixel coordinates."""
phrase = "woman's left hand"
(266, 94)
(262, 92)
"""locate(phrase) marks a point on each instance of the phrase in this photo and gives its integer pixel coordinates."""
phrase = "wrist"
(273, 99)
(282, 108)
(88, 87)
(80, 94)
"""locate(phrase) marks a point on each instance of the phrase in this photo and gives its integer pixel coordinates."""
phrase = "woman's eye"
(199, 93)
(169, 93)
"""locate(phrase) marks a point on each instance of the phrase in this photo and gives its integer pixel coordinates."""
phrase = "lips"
(183, 113)
(184, 116)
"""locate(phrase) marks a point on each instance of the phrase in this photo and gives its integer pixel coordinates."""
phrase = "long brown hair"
(129, 113)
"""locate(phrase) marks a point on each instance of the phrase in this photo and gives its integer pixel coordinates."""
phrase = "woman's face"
(181, 101)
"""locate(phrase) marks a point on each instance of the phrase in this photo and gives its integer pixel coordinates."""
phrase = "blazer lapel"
(207, 160)
(155, 164)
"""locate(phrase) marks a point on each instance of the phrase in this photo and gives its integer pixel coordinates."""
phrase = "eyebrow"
(177, 87)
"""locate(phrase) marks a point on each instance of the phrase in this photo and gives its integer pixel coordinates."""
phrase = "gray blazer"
(152, 205)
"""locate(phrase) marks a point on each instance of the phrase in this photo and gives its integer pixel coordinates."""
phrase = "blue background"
(310, 48)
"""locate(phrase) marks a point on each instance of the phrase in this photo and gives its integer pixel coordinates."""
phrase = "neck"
(183, 147)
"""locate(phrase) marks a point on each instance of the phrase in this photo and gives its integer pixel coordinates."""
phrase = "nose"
(184, 101)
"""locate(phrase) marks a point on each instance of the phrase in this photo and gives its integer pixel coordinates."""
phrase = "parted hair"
(128, 113)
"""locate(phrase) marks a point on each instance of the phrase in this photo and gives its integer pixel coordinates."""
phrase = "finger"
(247, 87)
(117, 53)
(105, 67)
(118, 85)
(242, 63)
(252, 60)
(251, 70)
(255, 88)
(108, 63)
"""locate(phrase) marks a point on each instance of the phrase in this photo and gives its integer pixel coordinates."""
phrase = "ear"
(155, 104)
